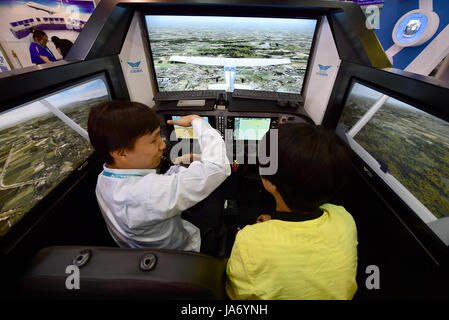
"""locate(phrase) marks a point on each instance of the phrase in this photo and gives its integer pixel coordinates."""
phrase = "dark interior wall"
(406, 270)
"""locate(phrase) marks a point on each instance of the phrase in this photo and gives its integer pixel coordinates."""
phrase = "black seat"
(124, 274)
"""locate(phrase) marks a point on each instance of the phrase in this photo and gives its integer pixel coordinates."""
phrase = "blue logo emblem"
(411, 28)
(135, 66)
(322, 70)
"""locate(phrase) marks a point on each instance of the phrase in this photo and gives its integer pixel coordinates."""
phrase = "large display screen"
(250, 128)
(222, 53)
(41, 143)
(185, 132)
(412, 145)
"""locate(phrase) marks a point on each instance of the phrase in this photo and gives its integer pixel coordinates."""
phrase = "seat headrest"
(102, 272)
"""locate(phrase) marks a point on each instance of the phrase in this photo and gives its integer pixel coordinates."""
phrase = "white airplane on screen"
(48, 9)
(230, 65)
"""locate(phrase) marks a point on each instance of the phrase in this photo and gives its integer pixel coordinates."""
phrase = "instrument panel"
(241, 131)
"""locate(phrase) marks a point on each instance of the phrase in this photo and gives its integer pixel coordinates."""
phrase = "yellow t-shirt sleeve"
(238, 285)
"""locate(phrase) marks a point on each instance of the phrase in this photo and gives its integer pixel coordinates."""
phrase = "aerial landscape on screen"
(413, 144)
(230, 37)
(38, 150)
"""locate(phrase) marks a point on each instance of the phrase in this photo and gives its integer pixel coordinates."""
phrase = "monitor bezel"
(57, 89)
(391, 93)
(231, 13)
(51, 200)
(413, 93)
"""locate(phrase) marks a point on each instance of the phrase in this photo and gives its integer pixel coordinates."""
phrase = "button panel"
(221, 125)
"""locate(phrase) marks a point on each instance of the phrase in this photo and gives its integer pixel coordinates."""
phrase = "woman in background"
(39, 51)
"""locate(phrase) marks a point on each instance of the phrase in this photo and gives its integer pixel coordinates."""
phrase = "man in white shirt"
(142, 208)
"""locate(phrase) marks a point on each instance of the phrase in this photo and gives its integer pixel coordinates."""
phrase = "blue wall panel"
(391, 12)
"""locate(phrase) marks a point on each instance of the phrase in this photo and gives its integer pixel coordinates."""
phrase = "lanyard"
(121, 175)
(49, 52)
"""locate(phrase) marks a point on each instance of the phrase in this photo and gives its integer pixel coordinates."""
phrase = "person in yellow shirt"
(307, 249)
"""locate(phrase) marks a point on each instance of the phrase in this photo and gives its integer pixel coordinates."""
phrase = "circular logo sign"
(415, 27)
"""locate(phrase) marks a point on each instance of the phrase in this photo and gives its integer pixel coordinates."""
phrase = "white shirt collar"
(123, 173)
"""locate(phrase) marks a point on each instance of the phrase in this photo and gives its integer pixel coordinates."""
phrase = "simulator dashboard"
(243, 128)
(242, 131)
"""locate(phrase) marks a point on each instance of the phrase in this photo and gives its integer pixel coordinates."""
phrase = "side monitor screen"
(185, 132)
(223, 53)
(409, 145)
(250, 128)
(41, 143)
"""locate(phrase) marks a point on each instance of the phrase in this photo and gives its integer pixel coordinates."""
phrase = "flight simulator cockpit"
(245, 67)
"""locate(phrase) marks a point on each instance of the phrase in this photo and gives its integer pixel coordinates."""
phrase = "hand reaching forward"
(187, 158)
(185, 121)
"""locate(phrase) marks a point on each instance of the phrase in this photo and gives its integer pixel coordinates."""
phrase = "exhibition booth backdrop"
(62, 18)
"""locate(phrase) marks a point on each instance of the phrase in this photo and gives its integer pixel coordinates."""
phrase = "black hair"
(313, 164)
(62, 44)
(38, 34)
(117, 125)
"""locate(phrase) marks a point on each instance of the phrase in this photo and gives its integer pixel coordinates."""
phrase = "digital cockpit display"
(185, 132)
(226, 53)
(250, 128)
